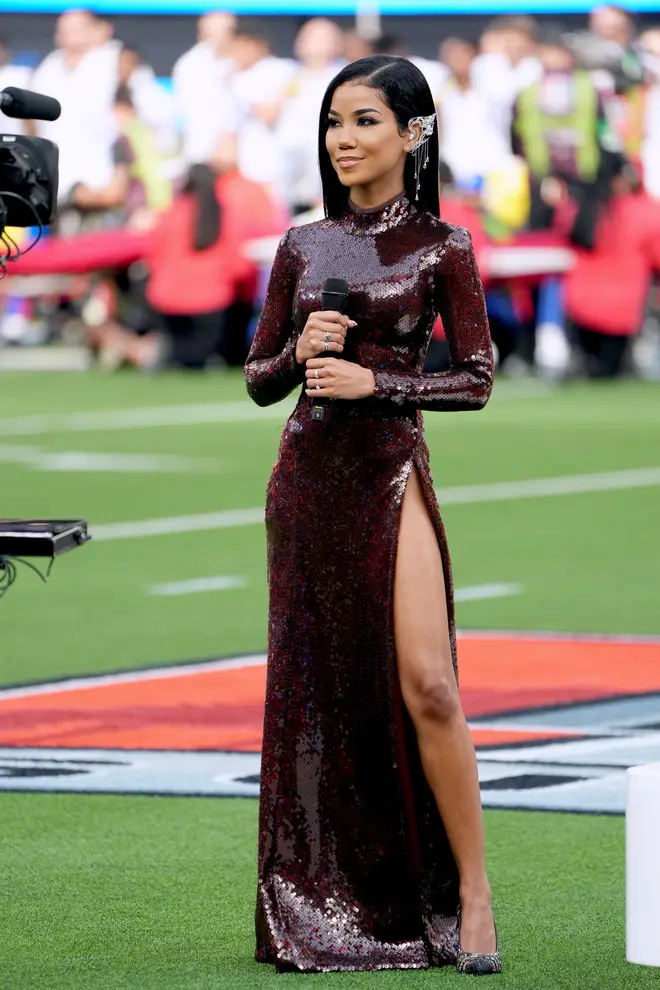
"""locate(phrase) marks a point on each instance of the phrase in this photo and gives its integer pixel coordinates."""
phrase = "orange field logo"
(557, 720)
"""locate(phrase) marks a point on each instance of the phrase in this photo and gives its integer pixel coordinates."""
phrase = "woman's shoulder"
(301, 232)
(304, 237)
(444, 234)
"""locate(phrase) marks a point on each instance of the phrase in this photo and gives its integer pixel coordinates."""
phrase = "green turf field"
(115, 892)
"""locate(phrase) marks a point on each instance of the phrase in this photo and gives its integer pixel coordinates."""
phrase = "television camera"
(28, 198)
(28, 165)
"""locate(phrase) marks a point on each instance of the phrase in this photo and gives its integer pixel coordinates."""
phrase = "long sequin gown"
(354, 868)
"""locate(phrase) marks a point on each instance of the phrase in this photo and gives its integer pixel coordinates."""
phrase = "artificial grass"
(110, 893)
(114, 893)
(584, 562)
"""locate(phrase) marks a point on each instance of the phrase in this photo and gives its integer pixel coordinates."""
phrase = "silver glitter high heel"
(478, 963)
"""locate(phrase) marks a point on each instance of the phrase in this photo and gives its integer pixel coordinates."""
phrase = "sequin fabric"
(354, 868)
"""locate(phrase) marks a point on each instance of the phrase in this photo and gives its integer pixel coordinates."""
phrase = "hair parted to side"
(404, 89)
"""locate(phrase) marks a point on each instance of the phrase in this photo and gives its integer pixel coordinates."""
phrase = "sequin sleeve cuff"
(270, 379)
(462, 389)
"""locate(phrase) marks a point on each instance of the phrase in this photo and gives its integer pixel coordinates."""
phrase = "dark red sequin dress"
(355, 871)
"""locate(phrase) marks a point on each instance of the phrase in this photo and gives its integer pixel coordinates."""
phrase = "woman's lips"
(348, 162)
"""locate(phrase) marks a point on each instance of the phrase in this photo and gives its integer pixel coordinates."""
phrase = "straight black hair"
(200, 184)
(404, 89)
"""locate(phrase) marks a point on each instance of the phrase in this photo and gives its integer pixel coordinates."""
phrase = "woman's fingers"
(315, 374)
(323, 346)
(326, 326)
(332, 316)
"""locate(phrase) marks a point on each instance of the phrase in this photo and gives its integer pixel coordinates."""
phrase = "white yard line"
(223, 582)
(227, 582)
(574, 484)
(571, 484)
(482, 592)
(86, 461)
(238, 411)
(132, 419)
(178, 524)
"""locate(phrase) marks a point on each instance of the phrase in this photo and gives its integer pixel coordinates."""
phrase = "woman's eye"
(331, 122)
(366, 120)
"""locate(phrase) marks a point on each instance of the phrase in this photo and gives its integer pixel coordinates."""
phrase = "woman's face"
(363, 138)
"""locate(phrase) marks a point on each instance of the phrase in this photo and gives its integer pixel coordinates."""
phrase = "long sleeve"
(271, 369)
(459, 299)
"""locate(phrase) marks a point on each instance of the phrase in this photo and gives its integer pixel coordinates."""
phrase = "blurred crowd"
(541, 129)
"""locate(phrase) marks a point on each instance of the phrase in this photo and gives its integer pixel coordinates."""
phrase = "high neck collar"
(377, 219)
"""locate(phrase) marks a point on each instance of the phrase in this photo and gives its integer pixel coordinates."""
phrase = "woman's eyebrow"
(356, 113)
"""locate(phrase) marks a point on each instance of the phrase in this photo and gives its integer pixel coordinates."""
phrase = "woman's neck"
(375, 195)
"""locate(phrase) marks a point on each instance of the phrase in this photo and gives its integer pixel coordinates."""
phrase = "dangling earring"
(427, 124)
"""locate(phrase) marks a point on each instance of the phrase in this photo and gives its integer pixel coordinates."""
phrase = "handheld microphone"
(334, 296)
(26, 105)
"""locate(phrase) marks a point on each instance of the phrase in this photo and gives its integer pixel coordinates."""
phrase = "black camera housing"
(28, 181)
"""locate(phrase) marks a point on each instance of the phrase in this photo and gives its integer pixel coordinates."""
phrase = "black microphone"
(334, 296)
(26, 105)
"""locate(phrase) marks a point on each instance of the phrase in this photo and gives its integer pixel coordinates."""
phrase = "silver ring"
(326, 347)
(318, 387)
(329, 336)
(316, 372)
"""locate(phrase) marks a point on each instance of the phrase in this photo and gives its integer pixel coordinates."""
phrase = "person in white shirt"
(318, 49)
(11, 75)
(356, 46)
(508, 63)
(258, 85)
(82, 74)
(650, 42)
(470, 143)
(153, 104)
(204, 106)
(434, 72)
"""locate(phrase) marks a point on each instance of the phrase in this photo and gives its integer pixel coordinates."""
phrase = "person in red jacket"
(607, 290)
(201, 282)
(198, 269)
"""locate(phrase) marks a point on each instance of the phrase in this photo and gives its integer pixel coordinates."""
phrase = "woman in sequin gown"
(364, 737)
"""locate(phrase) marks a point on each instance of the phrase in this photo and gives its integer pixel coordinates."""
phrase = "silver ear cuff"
(427, 124)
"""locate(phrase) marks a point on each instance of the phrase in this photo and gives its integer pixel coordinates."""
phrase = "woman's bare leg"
(431, 696)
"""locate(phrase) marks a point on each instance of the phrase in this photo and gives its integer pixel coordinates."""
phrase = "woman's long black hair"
(200, 184)
(404, 89)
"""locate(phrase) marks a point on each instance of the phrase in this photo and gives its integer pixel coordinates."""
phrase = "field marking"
(574, 484)
(237, 411)
(259, 660)
(223, 582)
(227, 582)
(132, 676)
(85, 461)
(178, 524)
(131, 419)
(482, 592)
(571, 484)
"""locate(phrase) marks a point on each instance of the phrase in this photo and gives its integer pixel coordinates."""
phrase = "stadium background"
(162, 37)
(550, 497)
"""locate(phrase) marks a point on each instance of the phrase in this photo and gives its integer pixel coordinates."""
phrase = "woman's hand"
(312, 340)
(338, 379)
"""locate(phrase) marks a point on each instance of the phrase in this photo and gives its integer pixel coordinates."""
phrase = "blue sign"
(312, 7)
